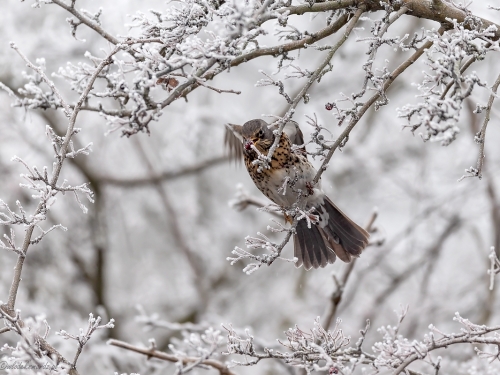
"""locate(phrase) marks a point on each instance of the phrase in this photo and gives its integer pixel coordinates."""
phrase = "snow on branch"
(494, 267)
(45, 185)
(480, 137)
(34, 347)
(439, 113)
(84, 335)
(320, 349)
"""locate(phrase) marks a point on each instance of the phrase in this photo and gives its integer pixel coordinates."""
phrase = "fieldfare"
(288, 182)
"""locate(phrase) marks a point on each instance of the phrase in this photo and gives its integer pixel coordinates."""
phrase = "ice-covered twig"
(480, 137)
(494, 267)
(376, 42)
(84, 336)
(41, 73)
(197, 350)
(264, 243)
(34, 345)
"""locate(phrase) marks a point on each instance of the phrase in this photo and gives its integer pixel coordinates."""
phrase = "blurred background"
(162, 225)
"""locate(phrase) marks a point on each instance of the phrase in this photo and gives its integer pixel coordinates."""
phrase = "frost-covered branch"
(355, 117)
(439, 114)
(84, 336)
(46, 187)
(34, 346)
(322, 349)
(196, 350)
(303, 95)
(170, 46)
(481, 135)
(494, 267)
(81, 18)
(49, 189)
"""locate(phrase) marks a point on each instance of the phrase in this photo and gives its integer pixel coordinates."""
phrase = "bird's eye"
(260, 134)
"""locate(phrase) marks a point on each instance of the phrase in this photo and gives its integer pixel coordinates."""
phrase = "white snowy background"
(437, 232)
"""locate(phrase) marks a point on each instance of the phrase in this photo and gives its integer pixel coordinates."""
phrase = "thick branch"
(464, 339)
(435, 10)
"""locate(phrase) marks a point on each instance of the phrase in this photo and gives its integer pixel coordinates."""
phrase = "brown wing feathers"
(316, 247)
(310, 248)
(234, 142)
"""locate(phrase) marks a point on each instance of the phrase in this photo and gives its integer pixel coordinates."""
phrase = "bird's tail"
(335, 235)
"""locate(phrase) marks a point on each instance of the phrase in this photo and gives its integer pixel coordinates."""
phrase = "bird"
(327, 233)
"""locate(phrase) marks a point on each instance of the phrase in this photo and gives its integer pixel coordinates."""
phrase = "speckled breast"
(269, 181)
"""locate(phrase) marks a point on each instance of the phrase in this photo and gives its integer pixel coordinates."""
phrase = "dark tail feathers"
(322, 243)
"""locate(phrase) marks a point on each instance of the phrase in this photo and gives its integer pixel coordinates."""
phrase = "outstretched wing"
(294, 133)
(233, 139)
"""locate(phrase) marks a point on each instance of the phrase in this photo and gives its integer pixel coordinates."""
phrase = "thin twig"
(462, 71)
(85, 20)
(481, 137)
(42, 74)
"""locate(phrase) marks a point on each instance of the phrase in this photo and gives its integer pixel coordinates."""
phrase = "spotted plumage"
(288, 180)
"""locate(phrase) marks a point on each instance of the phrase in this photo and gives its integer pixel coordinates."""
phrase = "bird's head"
(256, 132)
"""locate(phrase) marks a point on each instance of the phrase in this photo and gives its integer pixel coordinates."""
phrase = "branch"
(46, 79)
(152, 352)
(311, 80)
(86, 21)
(435, 10)
(494, 267)
(163, 176)
(345, 134)
(287, 47)
(55, 174)
(481, 136)
(34, 341)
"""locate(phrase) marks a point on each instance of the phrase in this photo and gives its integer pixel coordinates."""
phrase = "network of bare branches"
(184, 48)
